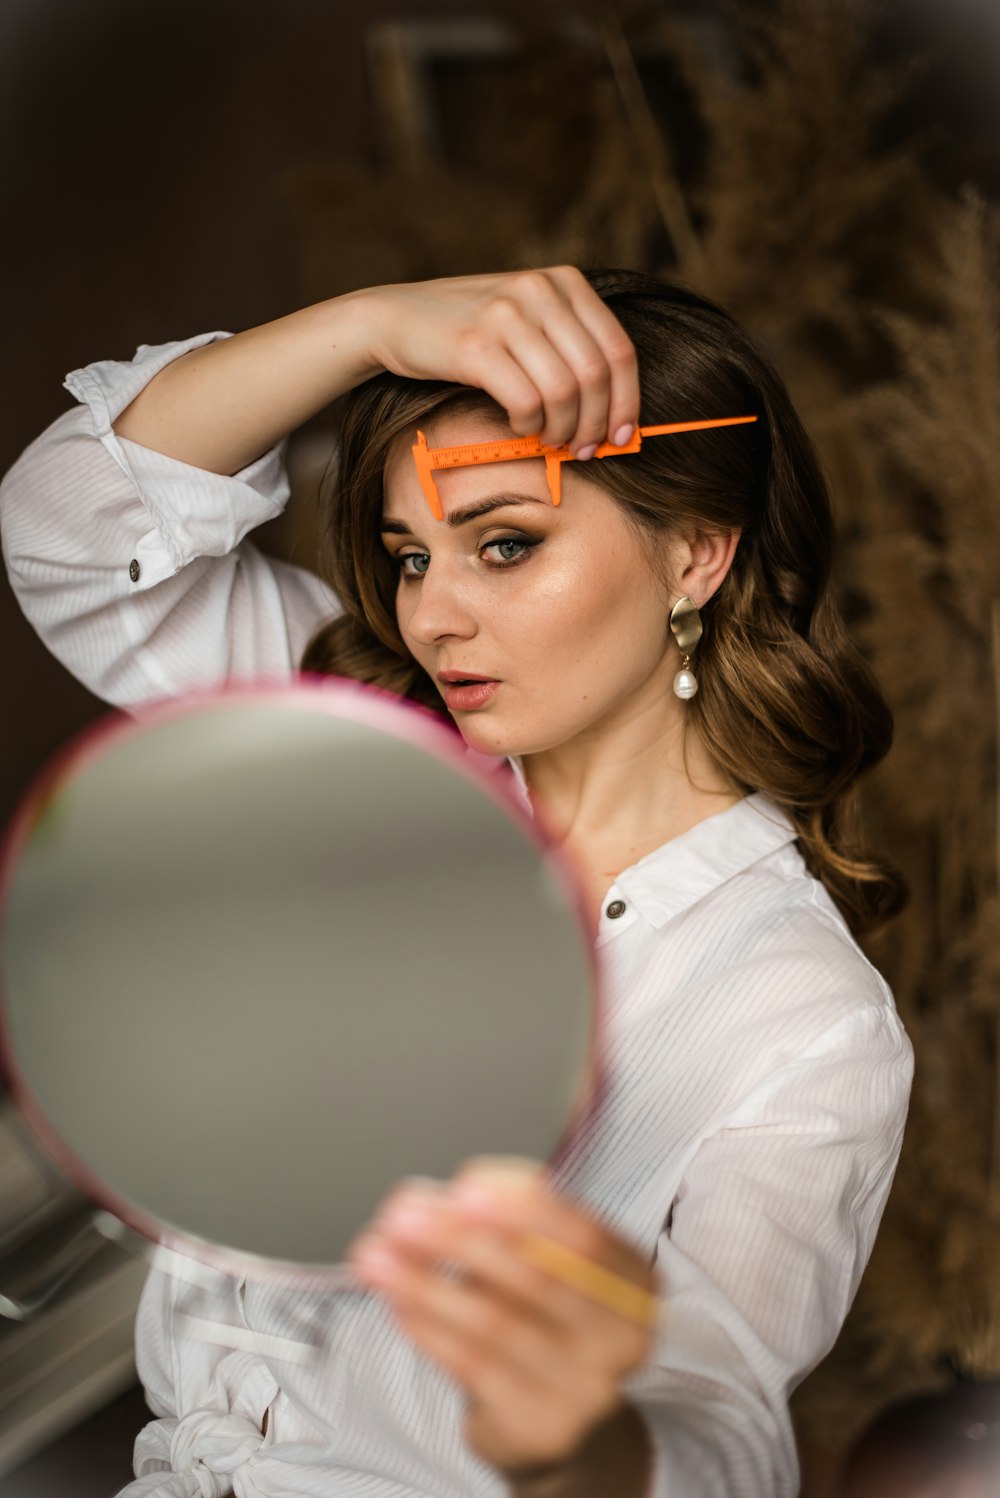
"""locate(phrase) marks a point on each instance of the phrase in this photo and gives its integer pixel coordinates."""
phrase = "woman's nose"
(442, 607)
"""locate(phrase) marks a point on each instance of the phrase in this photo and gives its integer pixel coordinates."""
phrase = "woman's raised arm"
(541, 342)
(134, 568)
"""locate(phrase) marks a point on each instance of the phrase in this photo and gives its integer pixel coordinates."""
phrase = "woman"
(758, 1072)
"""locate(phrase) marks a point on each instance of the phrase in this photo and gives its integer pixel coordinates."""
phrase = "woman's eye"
(506, 560)
(521, 549)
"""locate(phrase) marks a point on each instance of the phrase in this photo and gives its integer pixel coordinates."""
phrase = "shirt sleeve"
(132, 567)
(761, 1258)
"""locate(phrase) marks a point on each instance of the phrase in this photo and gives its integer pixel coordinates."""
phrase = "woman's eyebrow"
(472, 512)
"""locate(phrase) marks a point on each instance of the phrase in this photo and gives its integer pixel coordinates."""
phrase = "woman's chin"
(482, 743)
(506, 741)
(479, 736)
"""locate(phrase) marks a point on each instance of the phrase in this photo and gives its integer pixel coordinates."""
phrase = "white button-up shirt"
(758, 1074)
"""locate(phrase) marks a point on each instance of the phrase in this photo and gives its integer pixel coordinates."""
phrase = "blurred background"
(830, 171)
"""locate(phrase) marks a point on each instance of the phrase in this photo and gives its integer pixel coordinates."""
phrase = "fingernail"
(375, 1254)
(502, 1165)
(482, 1179)
(422, 1189)
(585, 453)
(406, 1215)
(366, 1245)
(622, 435)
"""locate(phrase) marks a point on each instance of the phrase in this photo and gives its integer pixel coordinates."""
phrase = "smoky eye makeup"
(498, 555)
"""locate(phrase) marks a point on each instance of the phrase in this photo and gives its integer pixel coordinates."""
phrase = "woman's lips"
(464, 699)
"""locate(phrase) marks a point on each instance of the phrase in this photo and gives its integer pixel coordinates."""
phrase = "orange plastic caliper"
(503, 450)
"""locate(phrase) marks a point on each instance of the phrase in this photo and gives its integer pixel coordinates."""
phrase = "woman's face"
(560, 605)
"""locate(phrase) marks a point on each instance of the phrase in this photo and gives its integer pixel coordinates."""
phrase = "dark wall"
(141, 151)
(143, 146)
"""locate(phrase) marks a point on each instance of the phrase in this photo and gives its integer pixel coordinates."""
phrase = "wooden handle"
(591, 1279)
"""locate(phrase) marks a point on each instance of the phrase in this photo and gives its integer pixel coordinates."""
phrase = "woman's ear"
(710, 556)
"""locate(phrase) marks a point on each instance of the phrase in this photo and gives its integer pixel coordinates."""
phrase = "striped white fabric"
(758, 1074)
(81, 505)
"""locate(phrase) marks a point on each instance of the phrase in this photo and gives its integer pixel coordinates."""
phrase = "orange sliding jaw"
(504, 450)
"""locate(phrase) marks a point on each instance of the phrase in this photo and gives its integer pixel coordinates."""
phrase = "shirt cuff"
(195, 513)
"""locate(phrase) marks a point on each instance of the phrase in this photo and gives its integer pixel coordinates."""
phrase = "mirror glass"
(266, 952)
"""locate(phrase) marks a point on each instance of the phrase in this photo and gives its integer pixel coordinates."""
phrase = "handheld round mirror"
(268, 951)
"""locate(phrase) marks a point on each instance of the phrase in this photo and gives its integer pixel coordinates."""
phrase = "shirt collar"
(682, 871)
(520, 783)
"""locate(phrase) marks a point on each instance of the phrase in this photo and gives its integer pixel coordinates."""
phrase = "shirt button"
(615, 909)
(133, 570)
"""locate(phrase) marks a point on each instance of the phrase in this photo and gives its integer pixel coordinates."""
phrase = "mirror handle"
(36, 1289)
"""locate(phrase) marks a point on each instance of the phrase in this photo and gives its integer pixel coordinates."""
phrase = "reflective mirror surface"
(265, 953)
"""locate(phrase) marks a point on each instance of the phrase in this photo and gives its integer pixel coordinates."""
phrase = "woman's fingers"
(487, 1190)
(596, 349)
(539, 336)
(424, 1220)
(541, 1361)
(581, 418)
(544, 1380)
(537, 1408)
(557, 383)
(575, 352)
(574, 1252)
(540, 342)
(494, 1304)
(617, 350)
(424, 1229)
(489, 366)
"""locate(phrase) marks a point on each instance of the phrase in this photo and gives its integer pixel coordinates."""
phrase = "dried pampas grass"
(924, 566)
(797, 190)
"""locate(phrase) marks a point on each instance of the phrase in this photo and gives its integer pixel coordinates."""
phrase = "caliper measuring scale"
(504, 450)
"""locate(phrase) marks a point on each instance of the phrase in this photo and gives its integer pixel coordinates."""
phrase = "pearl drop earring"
(685, 625)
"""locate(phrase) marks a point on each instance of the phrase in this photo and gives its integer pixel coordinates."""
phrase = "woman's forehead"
(453, 427)
(448, 428)
(456, 486)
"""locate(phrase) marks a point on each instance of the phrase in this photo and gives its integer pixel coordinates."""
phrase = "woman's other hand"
(540, 1361)
(540, 342)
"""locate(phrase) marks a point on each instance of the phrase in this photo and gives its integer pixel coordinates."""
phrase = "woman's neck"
(626, 791)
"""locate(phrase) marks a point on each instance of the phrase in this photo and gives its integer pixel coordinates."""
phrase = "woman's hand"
(540, 1361)
(540, 342)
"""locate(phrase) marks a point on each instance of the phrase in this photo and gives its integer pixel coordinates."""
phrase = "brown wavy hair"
(786, 703)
